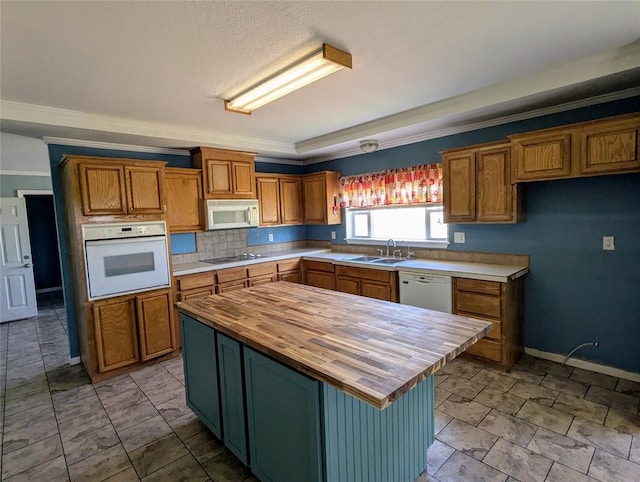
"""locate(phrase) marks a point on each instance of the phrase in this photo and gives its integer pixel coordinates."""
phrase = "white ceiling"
(155, 73)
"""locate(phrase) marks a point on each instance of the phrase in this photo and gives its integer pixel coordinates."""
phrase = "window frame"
(428, 242)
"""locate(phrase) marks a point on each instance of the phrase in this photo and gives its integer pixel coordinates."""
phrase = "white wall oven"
(125, 258)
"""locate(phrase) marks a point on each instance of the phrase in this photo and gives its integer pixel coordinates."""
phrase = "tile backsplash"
(229, 242)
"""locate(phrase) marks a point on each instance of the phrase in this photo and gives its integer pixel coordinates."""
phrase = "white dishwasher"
(425, 291)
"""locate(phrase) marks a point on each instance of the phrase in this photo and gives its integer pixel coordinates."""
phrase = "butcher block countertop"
(374, 350)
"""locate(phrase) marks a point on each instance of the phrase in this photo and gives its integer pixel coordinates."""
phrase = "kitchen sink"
(363, 259)
(388, 261)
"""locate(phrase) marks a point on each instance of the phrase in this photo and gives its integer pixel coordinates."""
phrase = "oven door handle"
(137, 239)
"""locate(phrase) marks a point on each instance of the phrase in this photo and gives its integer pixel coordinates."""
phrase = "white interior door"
(18, 290)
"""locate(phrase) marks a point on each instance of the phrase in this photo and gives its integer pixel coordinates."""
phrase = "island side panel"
(365, 443)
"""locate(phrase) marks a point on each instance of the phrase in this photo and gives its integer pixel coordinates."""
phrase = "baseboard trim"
(587, 365)
(74, 361)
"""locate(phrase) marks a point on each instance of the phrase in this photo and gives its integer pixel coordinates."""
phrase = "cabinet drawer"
(196, 293)
(496, 331)
(479, 286)
(261, 269)
(198, 280)
(232, 274)
(478, 304)
(491, 350)
(364, 273)
(319, 266)
(288, 265)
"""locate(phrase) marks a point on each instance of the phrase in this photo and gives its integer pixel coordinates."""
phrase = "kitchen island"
(306, 384)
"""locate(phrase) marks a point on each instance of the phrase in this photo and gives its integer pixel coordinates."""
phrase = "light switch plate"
(608, 243)
(333, 235)
(270, 236)
(458, 238)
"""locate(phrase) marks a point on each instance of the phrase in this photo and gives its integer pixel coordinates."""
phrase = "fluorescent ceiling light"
(315, 66)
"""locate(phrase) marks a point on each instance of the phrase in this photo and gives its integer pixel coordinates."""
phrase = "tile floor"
(540, 421)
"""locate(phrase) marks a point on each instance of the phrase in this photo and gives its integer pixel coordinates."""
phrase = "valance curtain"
(408, 185)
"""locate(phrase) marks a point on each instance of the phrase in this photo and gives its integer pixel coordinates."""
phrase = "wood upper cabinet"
(155, 324)
(118, 187)
(542, 155)
(320, 197)
(477, 185)
(280, 199)
(610, 146)
(226, 174)
(606, 146)
(184, 199)
(116, 338)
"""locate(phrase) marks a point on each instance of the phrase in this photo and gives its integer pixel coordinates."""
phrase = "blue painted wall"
(575, 292)
(9, 184)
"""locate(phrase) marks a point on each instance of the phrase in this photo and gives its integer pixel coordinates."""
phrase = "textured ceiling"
(154, 73)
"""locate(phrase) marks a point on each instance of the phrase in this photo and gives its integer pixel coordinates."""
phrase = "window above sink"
(418, 225)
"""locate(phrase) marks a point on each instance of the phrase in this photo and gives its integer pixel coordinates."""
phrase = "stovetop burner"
(229, 259)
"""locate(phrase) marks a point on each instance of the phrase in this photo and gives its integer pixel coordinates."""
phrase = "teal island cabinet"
(305, 384)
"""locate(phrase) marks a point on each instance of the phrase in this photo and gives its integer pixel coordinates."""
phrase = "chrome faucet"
(390, 240)
(409, 253)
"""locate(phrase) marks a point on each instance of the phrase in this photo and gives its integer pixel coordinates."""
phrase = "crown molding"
(449, 131)
(61, 141)
(25, 173)
(38, 114)
(289, 162)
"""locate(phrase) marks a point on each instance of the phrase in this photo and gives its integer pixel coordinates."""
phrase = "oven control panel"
(91, 232)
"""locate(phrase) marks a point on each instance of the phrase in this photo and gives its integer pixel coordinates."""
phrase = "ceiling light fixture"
(368, 146)
(313, 67)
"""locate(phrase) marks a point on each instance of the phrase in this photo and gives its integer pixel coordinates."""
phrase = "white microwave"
(231, 213)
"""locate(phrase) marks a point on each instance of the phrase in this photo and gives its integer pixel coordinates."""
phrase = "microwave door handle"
(247, 215)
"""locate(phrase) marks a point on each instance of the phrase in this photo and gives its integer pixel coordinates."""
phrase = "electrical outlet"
(608, 244)
(458, 238)
(270, 236)
(333, 235)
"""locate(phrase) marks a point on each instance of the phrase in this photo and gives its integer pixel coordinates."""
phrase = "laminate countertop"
(460, 269)
(374, 350)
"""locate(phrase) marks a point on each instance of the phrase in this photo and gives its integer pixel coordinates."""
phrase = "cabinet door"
(232, 396)
(218, 182)
(243, 179)
(348, 285)
(115, 333)
(269, 200)
(201, 372)
(609, 147)
(184, 199)
(542, 156)
(290, 200)
(102, 189)
(495, 196)
(321, 279)
(283, 416)
(459, 186)
(144, 189)
(376, 289)
(290, 276)
(315, 208)
(154, 324)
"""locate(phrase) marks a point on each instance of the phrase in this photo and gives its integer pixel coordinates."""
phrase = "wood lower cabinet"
(372, 283)
(226, 174)
(499, 303)
(116, 187)
(477, 185)
(320, 197)
(184, 200)
(606, 146)
(262, 273)
(289, 270)
(320, 274)
(134, 328)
